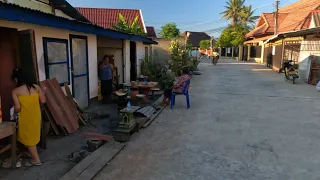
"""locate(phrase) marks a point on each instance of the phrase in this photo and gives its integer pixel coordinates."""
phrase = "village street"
(244, 123)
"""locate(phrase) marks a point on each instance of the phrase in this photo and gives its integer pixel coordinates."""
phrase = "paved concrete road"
(245, 123)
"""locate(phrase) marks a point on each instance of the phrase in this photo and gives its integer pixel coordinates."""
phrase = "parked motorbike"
(215, 59)
(289, 71)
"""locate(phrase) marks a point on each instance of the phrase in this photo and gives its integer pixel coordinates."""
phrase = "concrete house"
(128, 54)
(294, 17)
(51, 39)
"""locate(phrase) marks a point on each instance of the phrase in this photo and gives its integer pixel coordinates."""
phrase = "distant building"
(151, 33)
(301, 15)
(196, 37)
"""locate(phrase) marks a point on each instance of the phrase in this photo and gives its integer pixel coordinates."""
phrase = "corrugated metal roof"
(108, 18)
(14, 12)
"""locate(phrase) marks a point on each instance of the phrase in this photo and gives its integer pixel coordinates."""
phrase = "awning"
(14, 12)
(257, 40)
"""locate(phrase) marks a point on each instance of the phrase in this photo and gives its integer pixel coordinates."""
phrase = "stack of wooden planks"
(61, 111)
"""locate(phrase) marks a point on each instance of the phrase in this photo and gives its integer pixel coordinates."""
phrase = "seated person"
(177, 87)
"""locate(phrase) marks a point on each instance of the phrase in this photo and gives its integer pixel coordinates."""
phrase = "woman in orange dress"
(27, 98)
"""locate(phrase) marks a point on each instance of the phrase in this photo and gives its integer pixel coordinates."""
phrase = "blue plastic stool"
(185, 92)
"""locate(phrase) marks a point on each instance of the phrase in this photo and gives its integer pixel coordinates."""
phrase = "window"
(56, 58)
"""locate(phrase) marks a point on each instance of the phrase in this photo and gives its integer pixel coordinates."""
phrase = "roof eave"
(20, 14)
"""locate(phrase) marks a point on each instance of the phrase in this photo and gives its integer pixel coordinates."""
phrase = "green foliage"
(133, 28)
(233, 8)
(170, 30)
(189, 45)
(205, 44)
(180, 58)
(242, 19)
(232, 36)
(193, 64)
(157, 72)
(247, 15)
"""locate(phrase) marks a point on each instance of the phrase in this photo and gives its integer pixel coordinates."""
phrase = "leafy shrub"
(157, 72)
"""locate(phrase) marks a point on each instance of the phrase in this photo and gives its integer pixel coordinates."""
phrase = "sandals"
(30, 163)
(7, 163)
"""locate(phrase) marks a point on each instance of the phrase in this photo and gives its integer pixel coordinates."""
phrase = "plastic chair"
(185, 92)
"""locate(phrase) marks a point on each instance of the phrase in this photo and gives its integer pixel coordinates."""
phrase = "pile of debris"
(61, 110)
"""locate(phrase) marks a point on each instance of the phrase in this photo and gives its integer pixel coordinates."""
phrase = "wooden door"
(8, 51)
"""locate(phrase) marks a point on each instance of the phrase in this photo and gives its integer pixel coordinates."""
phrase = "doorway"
(79, 69)
(17, 50)
(244, 53)
(133, 61)
(27, 53)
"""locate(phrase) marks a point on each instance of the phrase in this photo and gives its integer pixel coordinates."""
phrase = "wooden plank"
(14, 146)
(6, 148)
(51, 120)
(73, 104)
(93, 163)
(52, 103)
(6, 129)
(97, 136)
(70, 118)
(57, 107)
(68, 91)
(101, 162)
(154, 116)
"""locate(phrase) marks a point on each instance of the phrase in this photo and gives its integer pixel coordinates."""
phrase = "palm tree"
(246, 15)
(233, 9)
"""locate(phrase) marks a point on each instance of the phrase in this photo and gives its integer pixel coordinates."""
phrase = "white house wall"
(42, 31)
(140, 55)
(310, 46)
(126, 53)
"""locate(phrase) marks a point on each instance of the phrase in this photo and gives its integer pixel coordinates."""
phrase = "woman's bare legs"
(34, 154)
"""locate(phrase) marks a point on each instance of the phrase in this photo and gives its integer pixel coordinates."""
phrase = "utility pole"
(211, 44)
(276, 24)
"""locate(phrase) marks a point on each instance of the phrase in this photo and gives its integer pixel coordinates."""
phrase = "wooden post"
(262, 53)
(14, 146)
(282, 55)
(240, 52)
(0, 111)
(249, 51)
(232, 52)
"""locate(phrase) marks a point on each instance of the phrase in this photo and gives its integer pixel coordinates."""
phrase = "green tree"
(133, 28)
(233, 36)
(247, 15)
(170, 30)
(205, 44)
(233, 9)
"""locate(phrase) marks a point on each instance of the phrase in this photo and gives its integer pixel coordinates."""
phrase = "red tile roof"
(108, 18)
(151, 32)
(293, 17)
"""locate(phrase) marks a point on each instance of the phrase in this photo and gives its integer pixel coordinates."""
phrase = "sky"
(189, 15)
